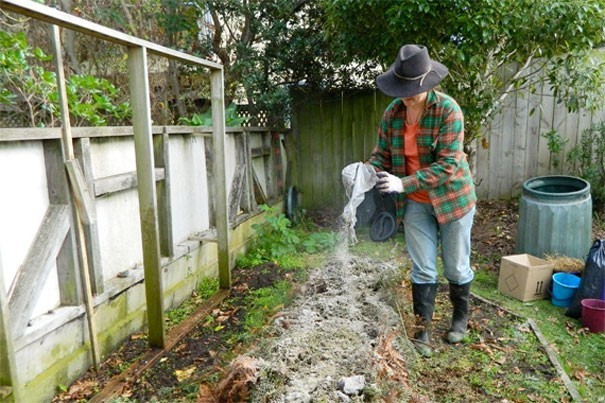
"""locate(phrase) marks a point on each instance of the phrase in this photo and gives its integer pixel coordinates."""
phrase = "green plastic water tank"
(555, 217)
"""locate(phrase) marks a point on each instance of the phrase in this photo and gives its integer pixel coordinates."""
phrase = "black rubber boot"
(423, 296)
(459, 295)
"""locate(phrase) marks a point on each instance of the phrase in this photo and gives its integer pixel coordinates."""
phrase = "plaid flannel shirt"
(444, 171)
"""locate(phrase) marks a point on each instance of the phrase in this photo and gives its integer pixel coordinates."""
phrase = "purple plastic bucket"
(593, 315)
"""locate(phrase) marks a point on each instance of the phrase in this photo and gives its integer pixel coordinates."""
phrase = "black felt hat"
(412, 73)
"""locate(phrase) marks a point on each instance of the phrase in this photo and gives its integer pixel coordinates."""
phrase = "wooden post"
(9, 386)
(162, 160)
(220, 180)
(148, 211)
(68, 154)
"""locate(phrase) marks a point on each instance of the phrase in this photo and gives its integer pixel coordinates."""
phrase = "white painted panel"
(49, 298)
(119, 232)
(23, 201)
(22, 207)
(112, 156)
(189, 193)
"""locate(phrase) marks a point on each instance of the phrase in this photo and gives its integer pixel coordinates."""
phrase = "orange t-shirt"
(412, 161)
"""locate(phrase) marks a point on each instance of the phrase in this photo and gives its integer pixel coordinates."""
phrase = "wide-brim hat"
(412, 72)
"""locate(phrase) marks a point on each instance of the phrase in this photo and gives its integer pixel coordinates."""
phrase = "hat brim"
(391, 85)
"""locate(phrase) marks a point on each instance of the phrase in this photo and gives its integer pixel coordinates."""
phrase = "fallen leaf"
(180, 347)
(500, 360)
(579, 374)
(205, 394)
(126, 392)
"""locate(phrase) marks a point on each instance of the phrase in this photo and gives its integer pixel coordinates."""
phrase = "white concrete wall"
(23, 203)
(57, 335)
(189, 186)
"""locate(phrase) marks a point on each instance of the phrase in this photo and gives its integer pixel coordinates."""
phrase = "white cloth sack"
(357, 179)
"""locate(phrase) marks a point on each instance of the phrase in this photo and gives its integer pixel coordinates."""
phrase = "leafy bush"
(205, 119)
(31, 90)
(587, 160)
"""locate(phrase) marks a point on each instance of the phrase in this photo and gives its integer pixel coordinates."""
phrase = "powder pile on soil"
(333, 333)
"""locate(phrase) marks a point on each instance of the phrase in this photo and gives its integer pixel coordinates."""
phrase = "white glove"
(388, 183)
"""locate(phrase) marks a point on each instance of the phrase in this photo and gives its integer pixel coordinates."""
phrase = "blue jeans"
(422, 236)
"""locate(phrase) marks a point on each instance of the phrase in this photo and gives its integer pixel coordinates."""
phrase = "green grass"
(581, 353)
(205, 289)
(265, 302)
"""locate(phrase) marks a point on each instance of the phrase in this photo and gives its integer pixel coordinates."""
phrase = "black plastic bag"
(593, 279)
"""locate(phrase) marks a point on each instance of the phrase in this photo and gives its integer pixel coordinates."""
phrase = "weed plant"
(278, 240)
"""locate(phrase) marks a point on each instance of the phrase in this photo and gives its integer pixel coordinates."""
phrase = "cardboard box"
(525, 277)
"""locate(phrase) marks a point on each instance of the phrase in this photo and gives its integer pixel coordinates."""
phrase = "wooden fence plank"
(495, 152)
(307, 132)
(121, 182)
(29, 281)
(249, 202)
(161, 149)
(237, 189)
(268, 166)
(520, 139)
(91, 231)
(83, 200)
(533, 130)
(338, 156)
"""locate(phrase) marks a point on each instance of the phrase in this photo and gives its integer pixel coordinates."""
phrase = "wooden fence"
(340, 128)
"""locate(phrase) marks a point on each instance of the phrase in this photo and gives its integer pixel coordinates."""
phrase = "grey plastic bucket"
(555, 217)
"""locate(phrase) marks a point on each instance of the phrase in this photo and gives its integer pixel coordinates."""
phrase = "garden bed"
(340, 335)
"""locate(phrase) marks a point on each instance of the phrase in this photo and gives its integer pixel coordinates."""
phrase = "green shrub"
(31, 90)
(205, 119)
(587, 160)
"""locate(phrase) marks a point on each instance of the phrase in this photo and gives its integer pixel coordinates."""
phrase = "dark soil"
(197, 368)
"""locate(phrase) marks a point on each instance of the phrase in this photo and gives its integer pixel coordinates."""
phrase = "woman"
(419, 155)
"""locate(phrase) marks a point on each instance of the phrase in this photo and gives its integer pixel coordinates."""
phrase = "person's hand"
(388, 183)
